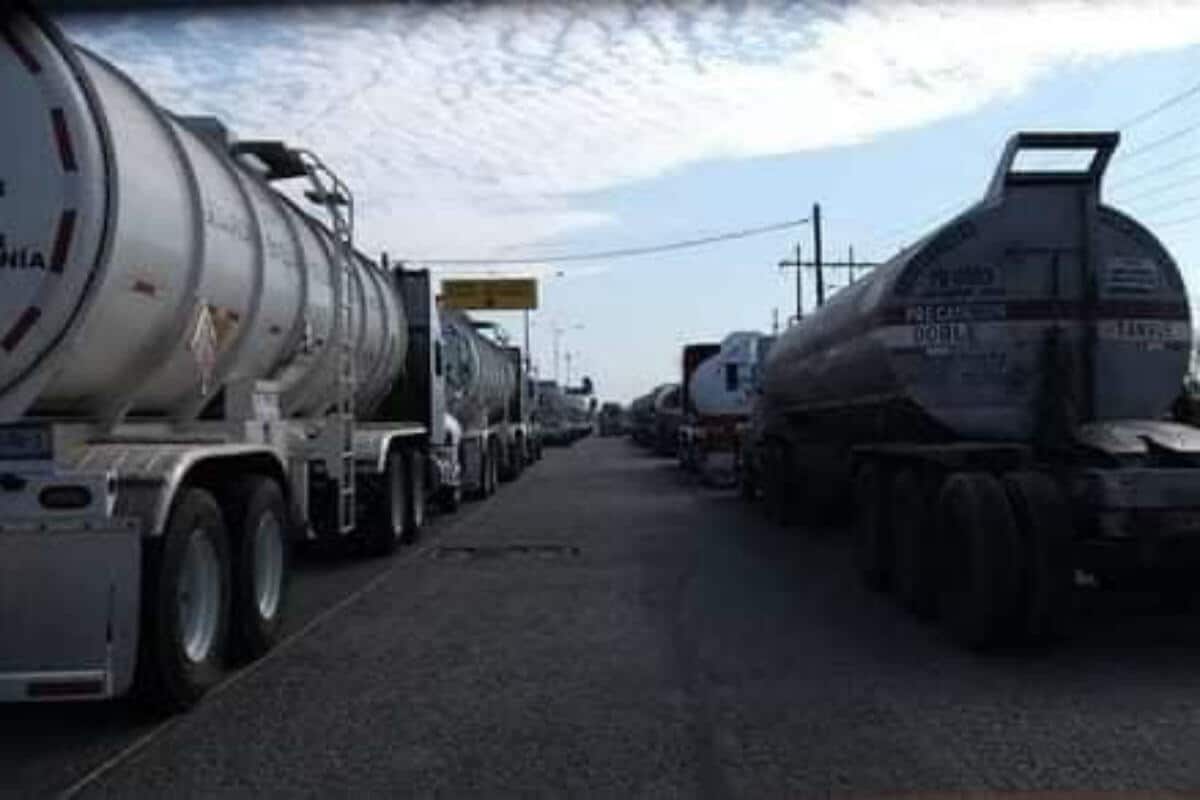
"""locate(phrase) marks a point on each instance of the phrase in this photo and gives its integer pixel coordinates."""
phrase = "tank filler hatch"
(1039, 158)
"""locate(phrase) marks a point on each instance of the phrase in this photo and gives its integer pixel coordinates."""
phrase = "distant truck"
(611, 420)
(641, 417)
(554, 415)
(667, 416)
(991, 404)
(717, 397)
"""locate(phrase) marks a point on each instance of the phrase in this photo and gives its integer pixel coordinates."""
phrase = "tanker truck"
(194, 373)
(641, 417)
(992, 401)
(485, 394)
(717, 396)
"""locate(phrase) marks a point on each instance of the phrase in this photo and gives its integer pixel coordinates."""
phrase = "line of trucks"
(197, 375)
(991, 404)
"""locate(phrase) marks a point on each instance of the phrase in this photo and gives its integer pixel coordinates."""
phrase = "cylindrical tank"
(960, 327)
(141, 267)
(479, 375)
(723, 384)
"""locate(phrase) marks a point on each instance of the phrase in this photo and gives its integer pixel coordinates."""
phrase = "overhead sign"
(495, 294)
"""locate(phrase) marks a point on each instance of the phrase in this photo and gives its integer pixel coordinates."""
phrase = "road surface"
(604, 627)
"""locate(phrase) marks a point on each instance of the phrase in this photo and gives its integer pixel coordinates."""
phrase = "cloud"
(468, 130)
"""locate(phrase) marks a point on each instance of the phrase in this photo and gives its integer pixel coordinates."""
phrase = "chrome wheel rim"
(199, 598)
(268, 565)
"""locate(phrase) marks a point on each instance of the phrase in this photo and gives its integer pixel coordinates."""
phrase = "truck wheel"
(980, 580)
(186, 594)
(452, 497)
(1044, 522)
(384, 527)
(256, 511)
(414, 509)
(779, 502)
(872, 537)
(493, 468)
(747, 488)
(914, 576)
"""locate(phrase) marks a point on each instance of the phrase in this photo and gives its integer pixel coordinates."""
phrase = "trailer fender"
(149, 475)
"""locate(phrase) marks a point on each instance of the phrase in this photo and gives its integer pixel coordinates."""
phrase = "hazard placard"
(495, 294)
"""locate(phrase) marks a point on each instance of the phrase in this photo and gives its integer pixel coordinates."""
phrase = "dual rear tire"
(397, 511)
(210, 598)
(990, 556)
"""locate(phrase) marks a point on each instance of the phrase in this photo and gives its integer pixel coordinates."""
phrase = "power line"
(624, 252)
(1186, 201)
(1180, 221)
(1156, 171)
(1174, 99)
(1160, 188)
(1155, 144)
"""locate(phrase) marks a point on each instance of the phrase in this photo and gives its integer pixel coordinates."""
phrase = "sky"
(529, 130)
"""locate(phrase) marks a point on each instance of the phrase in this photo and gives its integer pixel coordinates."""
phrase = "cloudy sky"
(514, 130)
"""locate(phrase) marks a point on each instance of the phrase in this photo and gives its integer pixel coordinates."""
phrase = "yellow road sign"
(493, 294)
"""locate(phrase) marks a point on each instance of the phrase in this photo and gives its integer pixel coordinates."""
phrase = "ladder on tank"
(329, 191)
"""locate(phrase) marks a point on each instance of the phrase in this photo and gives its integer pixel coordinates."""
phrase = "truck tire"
(493, 468)
(980, 580)
(747, 483)
(414, 508)
(452, 497)
(779, 485)
(872, 537)
(186, 596)
(257, 514)
(383, 527)
(913, 572)
(1044, 523)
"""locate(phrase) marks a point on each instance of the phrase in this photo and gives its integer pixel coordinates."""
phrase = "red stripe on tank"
(1033, 311)
(62, 135)
(19, 48)
(62, 240)
(21, 327)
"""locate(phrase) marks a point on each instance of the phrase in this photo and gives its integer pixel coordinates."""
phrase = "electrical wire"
(1155, 144)
(624, 252)
(1185, 201)
(1180, 221)
(1174, 99)
(1156, 171)
(1160, 188)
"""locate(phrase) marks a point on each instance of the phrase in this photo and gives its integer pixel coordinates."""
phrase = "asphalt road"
(603, 627)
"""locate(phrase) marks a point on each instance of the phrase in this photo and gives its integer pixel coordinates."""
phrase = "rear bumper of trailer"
(1141, 518)
(69, 603)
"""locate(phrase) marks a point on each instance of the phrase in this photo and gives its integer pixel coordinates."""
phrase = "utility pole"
(851, 261)
(774, 321)
(798, 264)
(816, 223)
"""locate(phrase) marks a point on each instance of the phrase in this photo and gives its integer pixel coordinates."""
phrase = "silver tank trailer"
(955, 326)
(141, 267)
(480, 377)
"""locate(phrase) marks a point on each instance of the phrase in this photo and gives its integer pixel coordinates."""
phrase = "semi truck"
(486, 394)
(992, 403)
(717, 394)
(641, 417)
(195, 374)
